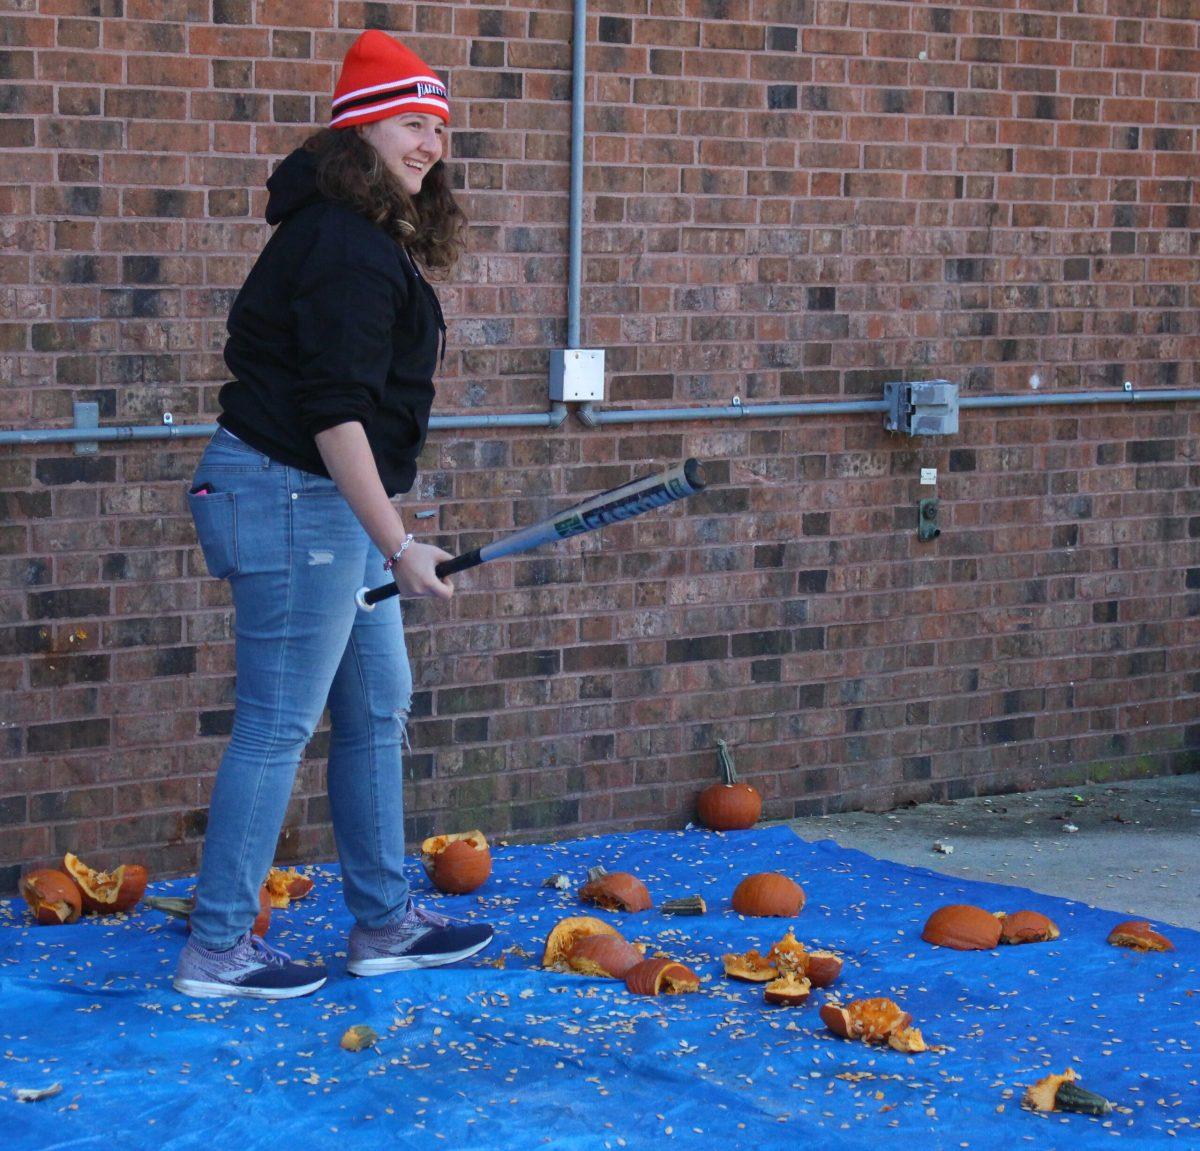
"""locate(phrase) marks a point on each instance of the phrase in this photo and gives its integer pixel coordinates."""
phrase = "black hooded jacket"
(333, 324)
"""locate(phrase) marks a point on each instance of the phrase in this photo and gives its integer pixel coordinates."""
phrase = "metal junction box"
(576, 374)
(924, 408)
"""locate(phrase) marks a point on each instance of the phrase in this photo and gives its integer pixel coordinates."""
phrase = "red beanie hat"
(382, 78)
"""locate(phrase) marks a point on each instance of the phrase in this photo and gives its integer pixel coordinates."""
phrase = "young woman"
(333, 343)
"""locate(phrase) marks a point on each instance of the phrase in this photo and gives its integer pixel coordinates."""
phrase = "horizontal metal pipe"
(551, 419)
(591, 418)
(1062, 399)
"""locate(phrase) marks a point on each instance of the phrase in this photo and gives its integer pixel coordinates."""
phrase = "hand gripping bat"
(621, 503)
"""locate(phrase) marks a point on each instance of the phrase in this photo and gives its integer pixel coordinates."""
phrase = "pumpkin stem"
(725, 760)
(172, 905)
(597, 872)
(685, 905)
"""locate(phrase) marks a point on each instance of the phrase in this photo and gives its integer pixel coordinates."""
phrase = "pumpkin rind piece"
(821, 968)
(1139, 935)
(1064, 1093)
(749, 967)
(603, 956)
(617, 891)
(567, 932)
(106, 892)
(53, 897)
(789, 990)
(661, 977)
(1027, 927)
(963, 927)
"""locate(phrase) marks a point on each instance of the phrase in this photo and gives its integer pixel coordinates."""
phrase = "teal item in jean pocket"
(215, 516)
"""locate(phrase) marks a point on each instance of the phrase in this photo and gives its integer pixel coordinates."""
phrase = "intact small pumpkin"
(567, 932)
(767, 893)
(616, 891)
(661, 977)
(1139, 935)
(52, 896)
(604, 956)
(962, 927)
(729, 805)
(459, 863)
(1027, 927)
(107, 892)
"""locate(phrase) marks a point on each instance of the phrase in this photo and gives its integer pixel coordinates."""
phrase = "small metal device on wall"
(925, 408)
(927, 520)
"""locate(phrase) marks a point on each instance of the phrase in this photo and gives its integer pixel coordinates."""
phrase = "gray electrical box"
(924, 408)
(576, 374)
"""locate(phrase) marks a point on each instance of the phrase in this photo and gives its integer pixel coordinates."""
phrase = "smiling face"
(409, 145)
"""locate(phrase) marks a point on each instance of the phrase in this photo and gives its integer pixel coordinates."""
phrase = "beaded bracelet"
(397, 555)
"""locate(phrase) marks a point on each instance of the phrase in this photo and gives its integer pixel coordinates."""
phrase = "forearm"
(347, 456)
(351, 464)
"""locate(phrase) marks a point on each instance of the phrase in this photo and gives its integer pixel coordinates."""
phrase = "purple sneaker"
(250, 969)
(421, 939)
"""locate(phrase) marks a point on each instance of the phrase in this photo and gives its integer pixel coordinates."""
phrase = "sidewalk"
(1130, 847)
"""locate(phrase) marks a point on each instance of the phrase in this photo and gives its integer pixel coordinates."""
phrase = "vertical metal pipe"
(575, 264)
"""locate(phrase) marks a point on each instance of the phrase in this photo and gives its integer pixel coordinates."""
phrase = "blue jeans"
(294, 555)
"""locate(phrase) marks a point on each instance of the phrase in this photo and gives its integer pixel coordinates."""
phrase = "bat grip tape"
(367, 598)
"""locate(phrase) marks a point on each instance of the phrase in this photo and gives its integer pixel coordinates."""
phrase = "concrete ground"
(1131, 847)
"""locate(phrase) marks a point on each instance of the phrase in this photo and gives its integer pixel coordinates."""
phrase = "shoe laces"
(266, 954)
(431, 918)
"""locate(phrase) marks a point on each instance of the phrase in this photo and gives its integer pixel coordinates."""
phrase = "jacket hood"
(292, 186)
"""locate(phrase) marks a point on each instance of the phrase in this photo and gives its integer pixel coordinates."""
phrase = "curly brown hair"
(430, 225)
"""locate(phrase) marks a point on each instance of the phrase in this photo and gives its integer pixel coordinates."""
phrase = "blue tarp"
(499, 1053)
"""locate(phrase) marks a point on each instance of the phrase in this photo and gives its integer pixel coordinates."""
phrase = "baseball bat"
(613, 506)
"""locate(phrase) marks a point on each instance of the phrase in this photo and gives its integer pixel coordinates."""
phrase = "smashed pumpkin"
(284, 886)
(567, 932)
(616, 891)
(661, 977)
(457, 863)
(604, 956)
(52, 896)
(107, 892)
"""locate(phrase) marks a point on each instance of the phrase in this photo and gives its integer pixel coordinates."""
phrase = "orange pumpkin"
(459, 863)
(53, 897)
(729, 805)
(962, 927)
(107, 892)
(767, 893)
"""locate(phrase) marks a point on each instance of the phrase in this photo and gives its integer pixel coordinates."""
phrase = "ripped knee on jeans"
(401, 715)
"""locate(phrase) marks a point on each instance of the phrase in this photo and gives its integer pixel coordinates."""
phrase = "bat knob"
(360, 598)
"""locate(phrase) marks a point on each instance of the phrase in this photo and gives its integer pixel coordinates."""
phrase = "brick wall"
(786, 199)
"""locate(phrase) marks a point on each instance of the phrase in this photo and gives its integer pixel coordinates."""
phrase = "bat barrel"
(615, 506)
